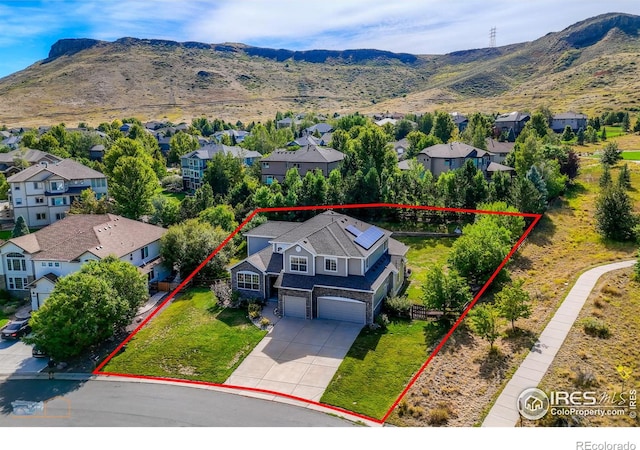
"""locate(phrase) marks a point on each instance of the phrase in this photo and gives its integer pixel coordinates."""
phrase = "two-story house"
(445, 157)
(575, 120)
(305, 159)
(194, 163)
(330, 267)
(515, 120)
(43, 193)
(31, 264)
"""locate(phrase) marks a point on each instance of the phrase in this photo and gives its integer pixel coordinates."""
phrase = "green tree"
(166, 211)
(605, 178)
(222, 173)
(444, 291)
(611, 154)
(4, 187)
(636, 126)
(514, 224)
(425, 123)
(499, 187)
(82, 311)
(539, 124)
(402, 128)
(89, 204)
(186, 245)
(202, 124)
(180, 144)
(485, 322)
(20, 228)
(443, 126)
(335, 188)
(580, 136)
(479, 251)
(125, 147)
(603, 134)
(567, 134)
(624, 177)
(221, 216)
(625, 124)
(614, 214)
(513, 303)
(132, 185)
(525, 196)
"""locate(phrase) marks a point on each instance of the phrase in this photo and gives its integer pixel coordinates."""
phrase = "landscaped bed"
(193, 338)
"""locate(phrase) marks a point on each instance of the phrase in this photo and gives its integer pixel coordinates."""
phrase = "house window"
(41, 216)
(144, 252)
(57, 264)
(16, 262)
(58, 201)
(298, 264)
(249, 281)
(16, 188)
(98, 183)
(151, 275)
(36, 185)
(331, 264)
(18, 201)
(269, 180)
(17, 283)
(447, 162)
(265, 165)
(39, 200)
(59, 216)
(57, 186)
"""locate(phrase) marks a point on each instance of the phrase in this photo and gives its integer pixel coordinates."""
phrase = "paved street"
(505, 412)
(108, 403)
(15, 357)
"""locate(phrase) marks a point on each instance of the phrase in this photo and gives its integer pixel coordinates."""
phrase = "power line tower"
(492, 37)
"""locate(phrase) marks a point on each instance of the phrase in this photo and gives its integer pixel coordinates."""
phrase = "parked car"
(15, 329)
(38, 352)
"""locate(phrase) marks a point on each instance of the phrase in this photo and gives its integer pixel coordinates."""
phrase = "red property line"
(536, 218)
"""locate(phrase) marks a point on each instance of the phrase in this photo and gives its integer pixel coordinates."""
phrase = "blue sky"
(29, 28)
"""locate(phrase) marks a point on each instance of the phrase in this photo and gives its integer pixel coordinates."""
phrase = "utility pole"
(492, 37)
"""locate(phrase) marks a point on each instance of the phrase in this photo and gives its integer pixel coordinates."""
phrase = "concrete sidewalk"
(504, 412)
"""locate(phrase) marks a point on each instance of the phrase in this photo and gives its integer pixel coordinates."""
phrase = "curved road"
(108, 403)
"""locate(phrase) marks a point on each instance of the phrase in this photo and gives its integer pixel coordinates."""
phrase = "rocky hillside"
(590, 66)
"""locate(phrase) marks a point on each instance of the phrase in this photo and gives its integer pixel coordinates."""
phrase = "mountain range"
(591, 66)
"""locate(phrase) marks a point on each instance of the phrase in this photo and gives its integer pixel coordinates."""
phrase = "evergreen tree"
(624, 178)
(614, 214)
(605, 178)
(580, 137)
(567, 135)
(20, 228)
(611, 154)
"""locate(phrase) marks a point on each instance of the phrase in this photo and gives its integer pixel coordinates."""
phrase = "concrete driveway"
(15, 357)
(297, 357)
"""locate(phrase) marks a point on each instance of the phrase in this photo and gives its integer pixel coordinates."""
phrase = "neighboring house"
(287, 122)
(32, 263)
(194, 163)
(96, 153)
(321, 128)
(237, 135)
(13, 142)
(17, 160)
(43, 193)
(305, 159)
(461, 121)
(496, 167)
(499, 150)
(330, 267)
(515, 120)
(385, 121)
(164, 142)
(445, 157)
(401, 147)
(574, 120)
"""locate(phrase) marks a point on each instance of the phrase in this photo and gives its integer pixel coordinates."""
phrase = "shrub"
(403, 407)
(398, 306)
(383, 321)
(584, 378)
(439, 415)
(416, 411)
(596, 328)
(264, 322)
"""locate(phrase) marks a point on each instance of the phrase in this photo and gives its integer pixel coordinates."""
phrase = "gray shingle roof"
(453, 150)
(307, 154)
(514, 116)
(100, 234)
(67, 169)
(271, 229)
(569, 115)
(208, 151)
(30, 155)
(266, 261)
(495, 167)
(498, 147)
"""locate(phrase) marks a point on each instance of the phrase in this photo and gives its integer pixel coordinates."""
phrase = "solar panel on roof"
(369, 237)
(353, 230)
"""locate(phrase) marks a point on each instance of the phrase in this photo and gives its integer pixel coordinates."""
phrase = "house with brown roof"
(331, 266)
(43, 193)
(31, 264)
(305, 159)
(17, 160)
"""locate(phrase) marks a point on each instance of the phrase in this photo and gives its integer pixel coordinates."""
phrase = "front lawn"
(5, 235)
(379, 365)
(423, 253)
(175, 195)
(193, 339)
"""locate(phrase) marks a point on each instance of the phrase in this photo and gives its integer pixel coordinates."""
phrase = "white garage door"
(295, 306)
(338, 308)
